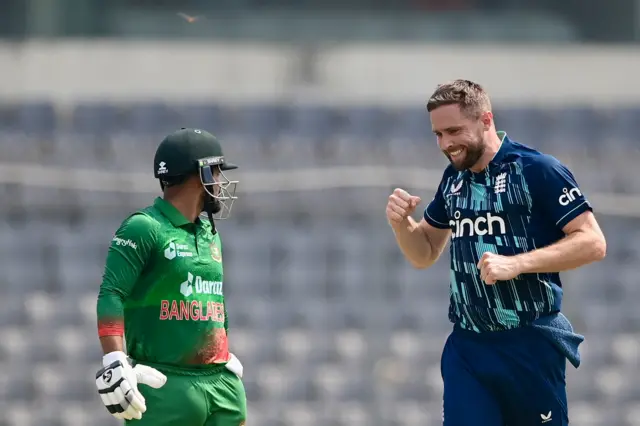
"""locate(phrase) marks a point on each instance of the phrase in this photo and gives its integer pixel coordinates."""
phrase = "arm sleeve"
(130, 250)
(226, 315)
(554, 191)
(436, 212)
(226, 320)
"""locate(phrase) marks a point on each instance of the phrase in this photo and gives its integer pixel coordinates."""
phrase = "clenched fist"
(494, 267)
(400, 206)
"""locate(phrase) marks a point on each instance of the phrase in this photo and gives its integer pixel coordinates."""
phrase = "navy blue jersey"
(519, 203)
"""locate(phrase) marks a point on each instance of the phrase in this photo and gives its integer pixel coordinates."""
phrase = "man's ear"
(487, 120)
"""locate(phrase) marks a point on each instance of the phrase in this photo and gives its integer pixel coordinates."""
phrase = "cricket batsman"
(163, 290)
(516, 218)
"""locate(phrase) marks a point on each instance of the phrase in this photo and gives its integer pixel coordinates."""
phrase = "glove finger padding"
(149, 376)
(132, 413)
(118, 388)
(132, 396)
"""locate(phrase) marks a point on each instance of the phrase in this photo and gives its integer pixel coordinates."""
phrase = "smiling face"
(461, 118)
(460, 137)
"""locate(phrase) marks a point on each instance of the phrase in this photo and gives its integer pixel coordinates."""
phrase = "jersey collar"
(170, 212)
(505, 147)
(503, 151)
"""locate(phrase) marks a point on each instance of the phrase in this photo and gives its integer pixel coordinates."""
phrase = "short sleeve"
(130, 250)
(436, 212)
(554, 190)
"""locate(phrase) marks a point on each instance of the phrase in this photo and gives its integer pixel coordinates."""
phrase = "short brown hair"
(470, 96)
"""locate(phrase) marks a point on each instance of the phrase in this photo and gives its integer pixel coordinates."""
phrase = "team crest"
(215, 253)
(501, 183)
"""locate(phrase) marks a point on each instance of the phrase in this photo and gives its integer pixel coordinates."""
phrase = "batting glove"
(234, 366)
(117, 384)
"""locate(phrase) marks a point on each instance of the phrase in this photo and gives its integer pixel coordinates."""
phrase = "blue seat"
(96, 118)
(37, 118)
(624, 125)
(368, 123)
(210, 117)
(260, 121)
(574, 130)
(526, 125)
(8, 116)
(310, 121)
(411, 123)
(152, 118)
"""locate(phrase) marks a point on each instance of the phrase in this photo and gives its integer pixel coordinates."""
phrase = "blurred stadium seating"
(333, 326)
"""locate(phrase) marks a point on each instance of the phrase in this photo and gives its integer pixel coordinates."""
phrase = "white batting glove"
(117, 384)
(234, 366)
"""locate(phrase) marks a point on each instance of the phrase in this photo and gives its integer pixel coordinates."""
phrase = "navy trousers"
(507, 378)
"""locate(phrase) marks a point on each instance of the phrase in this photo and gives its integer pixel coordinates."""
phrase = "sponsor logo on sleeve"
(124, 243)
(569, 195)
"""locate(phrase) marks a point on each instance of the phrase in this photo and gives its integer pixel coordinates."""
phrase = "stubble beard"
(474, 153)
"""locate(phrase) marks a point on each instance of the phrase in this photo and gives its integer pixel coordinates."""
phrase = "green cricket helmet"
(186, 152)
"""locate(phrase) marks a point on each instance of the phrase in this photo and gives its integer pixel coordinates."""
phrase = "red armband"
(110, 328)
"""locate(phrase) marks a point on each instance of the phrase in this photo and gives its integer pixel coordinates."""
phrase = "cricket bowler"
(515, 219)
(163, 291)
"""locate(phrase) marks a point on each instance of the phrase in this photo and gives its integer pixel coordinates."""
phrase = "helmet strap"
(214, 231)
(209, 203)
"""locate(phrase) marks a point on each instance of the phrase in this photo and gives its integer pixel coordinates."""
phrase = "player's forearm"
(110, 324)
(226, 320)
(110, 312)
(575, 250)
(112, 344)
(414, 244)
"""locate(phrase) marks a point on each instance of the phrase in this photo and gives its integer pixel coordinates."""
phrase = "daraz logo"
(200, 286)
(186, 288)
(180, 250)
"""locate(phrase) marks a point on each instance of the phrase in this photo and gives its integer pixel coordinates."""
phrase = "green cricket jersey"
(163, 289)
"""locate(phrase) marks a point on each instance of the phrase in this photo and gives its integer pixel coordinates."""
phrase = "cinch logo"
(569, 196)
(482, 225)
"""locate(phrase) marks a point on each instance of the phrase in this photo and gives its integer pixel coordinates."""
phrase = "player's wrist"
(399, 226)
(522, 264)
(114, 356)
